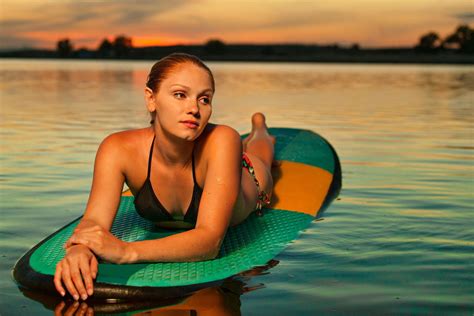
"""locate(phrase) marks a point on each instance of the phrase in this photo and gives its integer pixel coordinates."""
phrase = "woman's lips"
(191, 124)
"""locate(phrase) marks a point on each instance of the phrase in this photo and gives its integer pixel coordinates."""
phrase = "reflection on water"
(398, 241)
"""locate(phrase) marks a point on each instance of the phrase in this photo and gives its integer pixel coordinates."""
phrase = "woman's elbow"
(210, 242)
(210, 253)
(213, 250)
(213, 254)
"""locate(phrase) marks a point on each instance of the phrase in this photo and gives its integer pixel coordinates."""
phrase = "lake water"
(400, 240)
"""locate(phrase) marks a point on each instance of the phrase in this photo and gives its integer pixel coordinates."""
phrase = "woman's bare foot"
(258, 125)
(259, 128)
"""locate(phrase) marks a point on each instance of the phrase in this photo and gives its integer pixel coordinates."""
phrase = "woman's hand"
(77, 268)
(102, 242)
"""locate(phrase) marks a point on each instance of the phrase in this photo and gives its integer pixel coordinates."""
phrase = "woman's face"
(183, 101)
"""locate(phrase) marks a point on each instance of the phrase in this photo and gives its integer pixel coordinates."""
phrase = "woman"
(182, 167)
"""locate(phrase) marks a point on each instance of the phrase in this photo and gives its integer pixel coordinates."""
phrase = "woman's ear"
(150, 100)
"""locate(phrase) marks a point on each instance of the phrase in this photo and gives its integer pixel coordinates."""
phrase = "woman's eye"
(179, 95)
(205, 100)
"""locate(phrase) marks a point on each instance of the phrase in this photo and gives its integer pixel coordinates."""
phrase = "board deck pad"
(254, 242)
(307, 180)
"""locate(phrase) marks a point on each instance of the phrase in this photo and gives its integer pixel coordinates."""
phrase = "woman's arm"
(79, 266)
(107, 183)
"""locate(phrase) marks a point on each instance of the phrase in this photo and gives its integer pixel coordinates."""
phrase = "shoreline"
(264, 53)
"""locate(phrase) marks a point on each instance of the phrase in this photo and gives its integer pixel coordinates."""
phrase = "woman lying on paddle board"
(180, 168)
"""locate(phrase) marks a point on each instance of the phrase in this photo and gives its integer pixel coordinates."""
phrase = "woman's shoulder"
(219, 137)
(125, 141)
(220, 134)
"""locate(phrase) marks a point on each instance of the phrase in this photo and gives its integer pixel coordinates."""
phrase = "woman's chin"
(193, 134)
(186, 133)
(190, 135)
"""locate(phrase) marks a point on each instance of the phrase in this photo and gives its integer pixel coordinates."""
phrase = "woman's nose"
(193, 107)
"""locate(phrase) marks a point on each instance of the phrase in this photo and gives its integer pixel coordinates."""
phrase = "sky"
(370, 23)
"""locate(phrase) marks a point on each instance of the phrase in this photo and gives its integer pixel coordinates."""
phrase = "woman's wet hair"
(164, 66)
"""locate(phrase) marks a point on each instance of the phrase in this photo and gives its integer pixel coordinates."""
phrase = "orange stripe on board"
(299, 187)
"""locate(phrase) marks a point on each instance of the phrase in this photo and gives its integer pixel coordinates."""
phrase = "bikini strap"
(194, 174)
(150, 157)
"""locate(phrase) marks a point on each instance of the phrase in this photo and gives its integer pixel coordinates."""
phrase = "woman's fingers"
(71, 241)
(81, 240)
(87, 239)
(86, 232)
(68, 243)
(78, 239)
(86, 275)
(76, 272)
(57, 279)
(94, 229)
(66, 276)
(94, 267)
(78, 281)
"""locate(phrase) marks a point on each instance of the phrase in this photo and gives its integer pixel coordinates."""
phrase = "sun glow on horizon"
(157, 41)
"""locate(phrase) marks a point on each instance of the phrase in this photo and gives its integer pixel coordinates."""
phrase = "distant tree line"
(462, 40)
(456, 48)
(120, 47)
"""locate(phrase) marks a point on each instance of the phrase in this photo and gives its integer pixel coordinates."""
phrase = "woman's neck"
(170, 149)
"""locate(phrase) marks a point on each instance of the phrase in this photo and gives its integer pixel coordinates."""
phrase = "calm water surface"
(400, 240)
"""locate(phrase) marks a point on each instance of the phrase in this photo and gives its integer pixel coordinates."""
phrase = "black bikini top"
(149, 207)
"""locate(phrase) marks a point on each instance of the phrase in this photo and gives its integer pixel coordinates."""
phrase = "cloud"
(303, 16)
(466, 17)
(17, 42)
(124, 12)
(236, 17)
(86, 15)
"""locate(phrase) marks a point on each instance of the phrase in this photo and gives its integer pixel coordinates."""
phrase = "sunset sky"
(371, 23)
